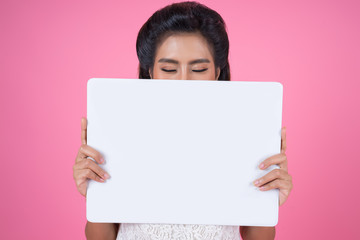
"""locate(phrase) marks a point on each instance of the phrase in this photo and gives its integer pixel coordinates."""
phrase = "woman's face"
(184, 56)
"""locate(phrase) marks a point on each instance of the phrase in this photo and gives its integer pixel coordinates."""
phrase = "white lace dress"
(142, 231)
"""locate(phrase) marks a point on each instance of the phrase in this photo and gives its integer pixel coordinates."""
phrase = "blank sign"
(183, 151)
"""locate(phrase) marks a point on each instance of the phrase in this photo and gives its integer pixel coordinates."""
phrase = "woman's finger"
(279, 159)
(283, 140)
(90, 164)
(87, 151)
(83, 130)
(278, 183)
(271, 176)
(85, 174)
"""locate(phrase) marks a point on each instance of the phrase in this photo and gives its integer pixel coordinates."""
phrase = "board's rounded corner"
(276, 221)
(91, 81)
(280, 85)
(89, 218)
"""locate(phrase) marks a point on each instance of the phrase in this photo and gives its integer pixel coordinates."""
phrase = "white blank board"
(183, 151)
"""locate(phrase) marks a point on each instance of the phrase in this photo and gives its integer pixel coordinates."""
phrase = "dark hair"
(183, 17)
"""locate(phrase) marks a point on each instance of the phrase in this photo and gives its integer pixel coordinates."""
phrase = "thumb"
(83, 130)
(283, 139)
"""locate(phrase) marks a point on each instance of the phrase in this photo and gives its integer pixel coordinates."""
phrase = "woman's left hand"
(277, 178)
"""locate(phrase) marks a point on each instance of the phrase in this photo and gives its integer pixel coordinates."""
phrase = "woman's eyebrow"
(168, 60)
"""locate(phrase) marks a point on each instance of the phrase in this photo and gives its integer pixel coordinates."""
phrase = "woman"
(185, 41)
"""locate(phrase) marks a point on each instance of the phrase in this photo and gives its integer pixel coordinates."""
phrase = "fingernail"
(262, 188)
(102, 160)
(106, 176)
(262, 165)
(256, 182)
(102, 180)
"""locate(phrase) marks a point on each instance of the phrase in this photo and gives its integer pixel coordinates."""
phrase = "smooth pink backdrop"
(49, 49)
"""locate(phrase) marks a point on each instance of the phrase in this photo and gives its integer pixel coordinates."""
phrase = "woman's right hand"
(85, 168)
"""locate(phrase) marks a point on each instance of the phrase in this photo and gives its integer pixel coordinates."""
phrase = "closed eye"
(165, 70)
(202, 70)
(174, 70)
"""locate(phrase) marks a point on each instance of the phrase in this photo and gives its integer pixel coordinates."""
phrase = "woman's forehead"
(184, 46)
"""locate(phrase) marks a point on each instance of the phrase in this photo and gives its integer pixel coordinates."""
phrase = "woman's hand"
(277, 178)
(85, 168)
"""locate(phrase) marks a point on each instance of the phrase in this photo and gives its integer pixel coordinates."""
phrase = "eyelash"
(202, 70)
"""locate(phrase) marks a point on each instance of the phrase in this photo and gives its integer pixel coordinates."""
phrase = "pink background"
(49, 49)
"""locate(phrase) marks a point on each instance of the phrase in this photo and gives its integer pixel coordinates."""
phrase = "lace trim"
(142, 231)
